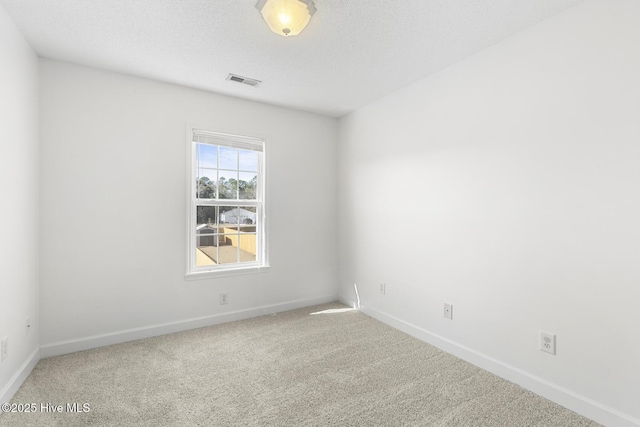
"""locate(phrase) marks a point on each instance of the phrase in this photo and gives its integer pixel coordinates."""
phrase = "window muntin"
(226, 224)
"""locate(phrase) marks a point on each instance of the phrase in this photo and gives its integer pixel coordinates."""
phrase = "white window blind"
(228, 140)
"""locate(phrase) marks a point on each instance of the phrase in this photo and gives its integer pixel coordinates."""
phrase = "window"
(226, 203)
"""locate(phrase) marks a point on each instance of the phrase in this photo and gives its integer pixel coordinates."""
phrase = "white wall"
(19, 164)
(113, 207)
(508, 185)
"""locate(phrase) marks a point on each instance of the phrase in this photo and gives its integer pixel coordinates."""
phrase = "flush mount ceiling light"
(286, 17)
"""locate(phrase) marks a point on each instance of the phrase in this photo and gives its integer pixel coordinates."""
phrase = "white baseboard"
(580, 404)
(18, 378)
(87, 343)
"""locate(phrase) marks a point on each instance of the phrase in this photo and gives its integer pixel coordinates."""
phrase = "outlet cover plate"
(448, 311)
(224, 298)
(547, 342)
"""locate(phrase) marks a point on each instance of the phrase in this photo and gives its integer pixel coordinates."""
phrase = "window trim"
(192, 272)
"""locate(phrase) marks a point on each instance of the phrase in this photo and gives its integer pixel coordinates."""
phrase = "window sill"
(212, 274)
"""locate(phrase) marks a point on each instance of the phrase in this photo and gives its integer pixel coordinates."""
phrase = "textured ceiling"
(352, 53)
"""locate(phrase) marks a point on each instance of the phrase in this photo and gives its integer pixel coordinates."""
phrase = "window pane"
(249, 216)
(206, 156)
(247, 185)
(203, 257)
(206, 215)
(248, 247)
(229, 250)
(207, 249)
(237, 215)
(228, 158)
(228, 185)
(206, 184)
(224, 212)
(206, 236)
(234, 247)
(248, 160)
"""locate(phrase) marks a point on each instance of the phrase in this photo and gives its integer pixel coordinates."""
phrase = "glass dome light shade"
(286, 17)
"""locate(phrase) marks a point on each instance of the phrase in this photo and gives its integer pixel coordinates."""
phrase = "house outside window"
(226, 226)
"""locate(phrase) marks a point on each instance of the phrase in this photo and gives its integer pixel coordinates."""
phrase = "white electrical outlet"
(448, 311)
(5, 348)
(383, 288)
(224, 298)
(547, 342)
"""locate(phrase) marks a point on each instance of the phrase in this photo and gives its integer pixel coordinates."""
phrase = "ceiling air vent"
(245, 80)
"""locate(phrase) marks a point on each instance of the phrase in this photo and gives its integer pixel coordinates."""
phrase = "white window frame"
(197, 135)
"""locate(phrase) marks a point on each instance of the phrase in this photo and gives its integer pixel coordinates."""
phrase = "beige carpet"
(289, 369)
